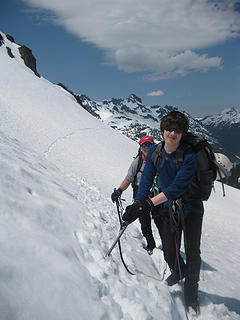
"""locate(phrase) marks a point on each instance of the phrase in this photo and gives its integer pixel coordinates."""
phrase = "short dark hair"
(175, 118)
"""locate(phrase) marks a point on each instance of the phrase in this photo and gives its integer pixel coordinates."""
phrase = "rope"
(119, 211)
(177, 218)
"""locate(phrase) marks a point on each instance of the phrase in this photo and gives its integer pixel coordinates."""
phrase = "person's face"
(172, 136)
(145, 148)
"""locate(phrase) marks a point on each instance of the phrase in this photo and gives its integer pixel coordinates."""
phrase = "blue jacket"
(173, 183)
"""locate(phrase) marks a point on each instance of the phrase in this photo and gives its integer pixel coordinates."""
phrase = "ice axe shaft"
(123, 228)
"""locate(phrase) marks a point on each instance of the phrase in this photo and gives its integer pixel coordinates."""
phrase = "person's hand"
(116, 194)
(136, 209)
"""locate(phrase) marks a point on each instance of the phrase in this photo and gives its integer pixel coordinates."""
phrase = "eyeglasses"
(146, 144)
(176, 130)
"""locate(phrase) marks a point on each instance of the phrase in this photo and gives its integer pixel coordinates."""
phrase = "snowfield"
(58, 167)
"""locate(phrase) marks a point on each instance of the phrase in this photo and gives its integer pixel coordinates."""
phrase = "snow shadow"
(206, 267)
(205, 299)
(231, 304)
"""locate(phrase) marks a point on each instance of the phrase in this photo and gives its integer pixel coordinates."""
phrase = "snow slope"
(58, 166)
(48, 118)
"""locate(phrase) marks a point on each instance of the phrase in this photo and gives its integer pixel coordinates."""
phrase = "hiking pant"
(192, 238)
(145, 221)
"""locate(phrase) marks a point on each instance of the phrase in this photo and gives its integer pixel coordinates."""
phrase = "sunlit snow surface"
(58, 166)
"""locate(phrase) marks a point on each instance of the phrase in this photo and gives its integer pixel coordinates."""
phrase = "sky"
(182, 53)
(57, 220)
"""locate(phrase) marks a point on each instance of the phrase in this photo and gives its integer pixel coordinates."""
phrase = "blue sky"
(181, 52)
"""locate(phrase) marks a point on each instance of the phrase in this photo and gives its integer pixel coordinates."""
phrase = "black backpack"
(139, 166)
(201, 187)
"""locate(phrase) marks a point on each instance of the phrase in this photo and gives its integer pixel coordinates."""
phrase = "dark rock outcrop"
(10, 38)
(79, 101)
(9, 51)
(29, 59)
(1, 40)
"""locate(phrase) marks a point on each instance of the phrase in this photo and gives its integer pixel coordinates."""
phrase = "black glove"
(116, 194)
(139, 207)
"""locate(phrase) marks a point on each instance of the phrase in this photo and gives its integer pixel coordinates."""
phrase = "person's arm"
(158, 199)
(124, 185)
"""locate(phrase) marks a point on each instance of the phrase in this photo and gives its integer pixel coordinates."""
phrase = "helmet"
(224, 164)
(146, 139)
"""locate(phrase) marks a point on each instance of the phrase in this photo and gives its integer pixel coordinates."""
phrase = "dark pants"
(192, 242)
(145, 221)
(192, 238)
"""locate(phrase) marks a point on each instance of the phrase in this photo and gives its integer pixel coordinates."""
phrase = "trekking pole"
(123, 228)
(222, 172)
(120, 210)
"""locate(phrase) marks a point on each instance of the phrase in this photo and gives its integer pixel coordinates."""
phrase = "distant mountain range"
(225, 126)
(134, 119)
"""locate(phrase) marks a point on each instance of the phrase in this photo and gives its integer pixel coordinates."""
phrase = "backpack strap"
(157, 153)
(180, 153)
(139, 166)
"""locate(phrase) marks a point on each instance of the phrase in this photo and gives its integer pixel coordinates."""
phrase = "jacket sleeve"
(147, 177)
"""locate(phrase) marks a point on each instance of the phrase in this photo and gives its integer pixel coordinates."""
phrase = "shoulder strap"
(180, 152)
(140, 162)
(139, 165)
(157, 153)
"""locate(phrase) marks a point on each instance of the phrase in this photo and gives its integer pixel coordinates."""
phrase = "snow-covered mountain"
(58, 166)
(226, 127)
(227, 117)
(134, 119)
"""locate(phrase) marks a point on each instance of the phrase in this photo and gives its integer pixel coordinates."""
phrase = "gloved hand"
(116, 194)
(139, 207)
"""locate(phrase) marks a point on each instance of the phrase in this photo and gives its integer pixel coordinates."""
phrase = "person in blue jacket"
(174, 183)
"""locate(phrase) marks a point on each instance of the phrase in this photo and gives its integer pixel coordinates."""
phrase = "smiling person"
(174, 182)
(133, 177)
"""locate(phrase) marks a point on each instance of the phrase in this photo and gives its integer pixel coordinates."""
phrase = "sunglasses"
(176, 130)
(146, 144)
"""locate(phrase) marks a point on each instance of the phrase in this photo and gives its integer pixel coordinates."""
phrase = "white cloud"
(155, 93)
(158, 36)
